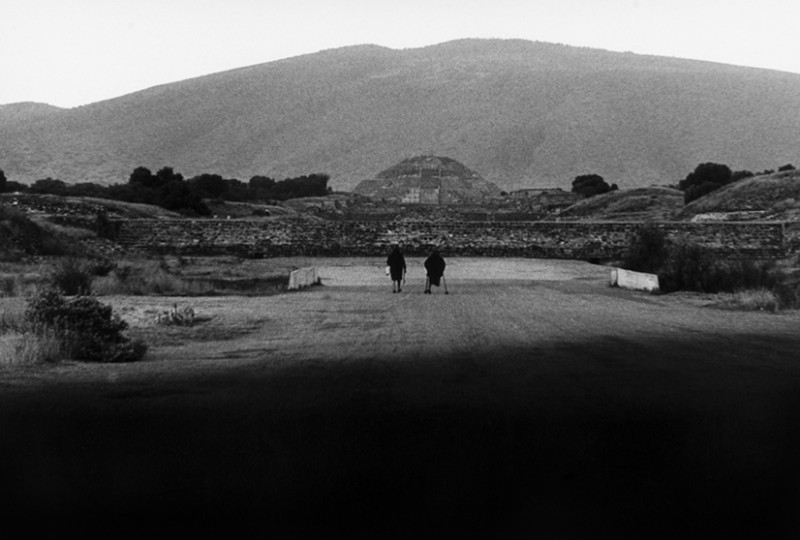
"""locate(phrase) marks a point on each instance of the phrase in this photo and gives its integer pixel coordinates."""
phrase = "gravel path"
(533, 400)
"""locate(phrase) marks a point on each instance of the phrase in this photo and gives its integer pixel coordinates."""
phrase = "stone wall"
(573, 240)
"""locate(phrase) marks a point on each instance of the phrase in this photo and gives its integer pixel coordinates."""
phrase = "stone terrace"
(572, 240)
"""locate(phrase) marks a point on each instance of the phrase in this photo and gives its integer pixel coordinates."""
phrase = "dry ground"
(533, 400)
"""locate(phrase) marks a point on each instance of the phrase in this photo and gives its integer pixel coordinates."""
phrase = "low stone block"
(302, 277)
(628, 279)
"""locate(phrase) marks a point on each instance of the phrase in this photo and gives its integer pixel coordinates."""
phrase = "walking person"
(434, 265)
(397, 268)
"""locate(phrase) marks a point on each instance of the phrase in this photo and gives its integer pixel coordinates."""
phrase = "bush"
(693, 268)
(104, 227)
(8, 285)
(86, 329)
(754, 300)
(648, 250)
(690, 267)
(788, 294)
(72, 276)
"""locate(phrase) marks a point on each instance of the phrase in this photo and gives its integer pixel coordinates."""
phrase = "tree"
(787, 167)
(208, 186)
(705, 178)
(741, 175)
(142, 176)
(714, 173)
(176, 195)
(167, 174)
(589, 185)
(50, 186)
(3, 181)
(261, 183)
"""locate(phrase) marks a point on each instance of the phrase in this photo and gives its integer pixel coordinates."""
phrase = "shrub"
(788, 294)
(648, 250)
(755, 300)
(104, 227)
(101, 267)
(694, 268)
(86, 329)
(72, 276)
(8, 286)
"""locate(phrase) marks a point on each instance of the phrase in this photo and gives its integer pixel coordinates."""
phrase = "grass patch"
(753, 300)
(29, 348)
(19, 346)
(181, 278)
(148, 279)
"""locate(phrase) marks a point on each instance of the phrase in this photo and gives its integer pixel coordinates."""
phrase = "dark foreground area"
(683, 438)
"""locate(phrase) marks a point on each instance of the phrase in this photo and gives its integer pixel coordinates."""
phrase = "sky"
(74, 52)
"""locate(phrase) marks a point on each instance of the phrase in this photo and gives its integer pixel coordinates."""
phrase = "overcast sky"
(74, 52)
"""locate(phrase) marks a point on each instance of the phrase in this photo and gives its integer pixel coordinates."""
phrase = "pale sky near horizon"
(74, 52)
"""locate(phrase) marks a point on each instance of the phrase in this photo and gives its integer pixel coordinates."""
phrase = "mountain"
(519, 113)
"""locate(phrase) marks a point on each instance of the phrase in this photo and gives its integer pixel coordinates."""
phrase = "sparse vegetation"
(71, 276)
(147, 278)
(177, 317)
(178, 277)
(20, 236)
(690, 267)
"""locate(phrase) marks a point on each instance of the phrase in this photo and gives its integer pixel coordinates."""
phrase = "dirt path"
(531, 400)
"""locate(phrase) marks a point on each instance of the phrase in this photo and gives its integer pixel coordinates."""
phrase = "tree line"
(168, 189)
(708, 177)
(705, 178)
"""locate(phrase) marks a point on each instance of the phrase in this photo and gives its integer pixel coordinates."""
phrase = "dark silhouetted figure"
(434, 265)
(397, 268)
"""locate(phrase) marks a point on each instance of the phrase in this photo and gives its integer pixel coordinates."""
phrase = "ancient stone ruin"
(430, 180)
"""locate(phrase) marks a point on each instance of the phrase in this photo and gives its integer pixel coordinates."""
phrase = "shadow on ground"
(568, 440)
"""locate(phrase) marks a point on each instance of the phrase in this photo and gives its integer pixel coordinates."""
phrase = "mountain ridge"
(520, 113)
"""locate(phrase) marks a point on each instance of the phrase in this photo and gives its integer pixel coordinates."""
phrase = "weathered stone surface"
(571, 240)
(302, 277)
(639, 281)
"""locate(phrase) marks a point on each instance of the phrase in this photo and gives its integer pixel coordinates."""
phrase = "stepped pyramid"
(428, 180)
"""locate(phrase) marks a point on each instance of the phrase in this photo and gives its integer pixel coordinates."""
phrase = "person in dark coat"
(397, 268)
(434, 265)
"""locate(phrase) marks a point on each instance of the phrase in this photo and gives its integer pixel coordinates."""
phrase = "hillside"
(638, 204)
(520, 114)
(43, 206)
(773, 197)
